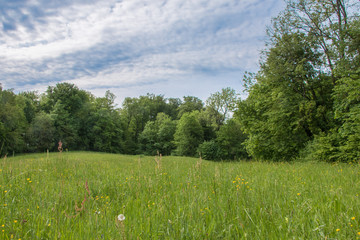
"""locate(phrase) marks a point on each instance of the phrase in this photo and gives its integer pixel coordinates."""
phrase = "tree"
(210, 150)
(287, 105)
(41, 134)
(12, 123)
(223, 102)
(106, 134)
(66, 130)
(341, 143)
(70, 106)
(231, 140)
(312, 46)
(32, 104)
(158, 136)
(325, 23)
(148, 138)
(165, 134)
(189, 105)
(188, 135)
(138, 111)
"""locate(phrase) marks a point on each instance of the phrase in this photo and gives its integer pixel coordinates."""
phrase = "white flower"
(121, 217)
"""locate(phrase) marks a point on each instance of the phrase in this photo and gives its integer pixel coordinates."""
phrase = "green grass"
(180, 200)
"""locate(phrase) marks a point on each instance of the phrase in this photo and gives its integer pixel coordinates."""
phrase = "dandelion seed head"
(121, 217)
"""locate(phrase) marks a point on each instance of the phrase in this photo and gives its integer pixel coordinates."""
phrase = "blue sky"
(132, 47)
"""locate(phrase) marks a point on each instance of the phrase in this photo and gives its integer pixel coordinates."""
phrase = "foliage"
(342, 142)
(189, 134)
(41, 133)
(223, 103)
(158, 136)
(189, 105)
(313, 44)
(210, 150)
(12, 123)
(231, 140)
(303, 102)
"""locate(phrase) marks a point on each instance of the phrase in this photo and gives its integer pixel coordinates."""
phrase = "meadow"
(80, 195)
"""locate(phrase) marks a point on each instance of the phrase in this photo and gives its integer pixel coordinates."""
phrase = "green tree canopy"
(189, 134)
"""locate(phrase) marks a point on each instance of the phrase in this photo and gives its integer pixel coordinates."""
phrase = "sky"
(133, 47)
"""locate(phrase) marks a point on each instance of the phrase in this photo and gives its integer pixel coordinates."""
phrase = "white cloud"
(133, 42)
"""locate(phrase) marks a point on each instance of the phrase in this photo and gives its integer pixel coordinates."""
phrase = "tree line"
(303, 103)
(32, 122)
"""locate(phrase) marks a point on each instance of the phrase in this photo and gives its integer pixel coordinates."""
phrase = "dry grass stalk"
(199, 163)
(119, 222)
(158, 158)
(79, 210)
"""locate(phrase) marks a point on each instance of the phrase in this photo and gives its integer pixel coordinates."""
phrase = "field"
(80, 195)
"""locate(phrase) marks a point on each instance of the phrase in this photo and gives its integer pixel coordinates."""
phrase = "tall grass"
(80, 195)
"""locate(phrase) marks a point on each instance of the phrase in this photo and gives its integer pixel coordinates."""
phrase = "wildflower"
(5, 191)
(15, 221)
(28, 179)
(49, 225)
(298, 194)
(121, 217)
(3, 225)
(357, 233)
(353, 218)
(338, 230)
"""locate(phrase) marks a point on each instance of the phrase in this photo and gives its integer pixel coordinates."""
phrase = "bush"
(210, 150)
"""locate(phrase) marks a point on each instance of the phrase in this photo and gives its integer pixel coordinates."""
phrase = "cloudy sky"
(132, 47)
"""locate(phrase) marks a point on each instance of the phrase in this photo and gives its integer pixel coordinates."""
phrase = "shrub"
(210, 150)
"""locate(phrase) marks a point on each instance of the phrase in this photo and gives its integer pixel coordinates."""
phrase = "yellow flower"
(5, 191)
(353, 218)
(358, 233)
(49, 225)
(15, 221)
(338, 230)
(28, 179)
(298, 194)
(3, 225)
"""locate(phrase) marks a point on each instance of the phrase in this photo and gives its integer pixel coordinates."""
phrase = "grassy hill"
(79, 195)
